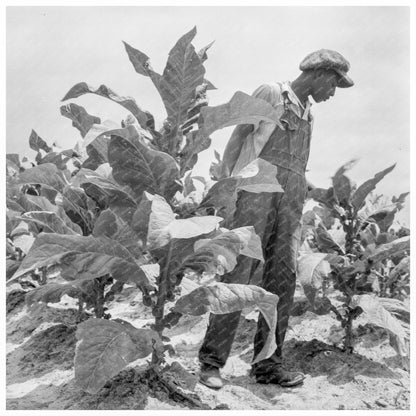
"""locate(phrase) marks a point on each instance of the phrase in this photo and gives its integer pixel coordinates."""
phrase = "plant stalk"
(158, 309)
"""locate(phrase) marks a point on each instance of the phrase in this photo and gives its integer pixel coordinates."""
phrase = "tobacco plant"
(119, 203)
(349, 246)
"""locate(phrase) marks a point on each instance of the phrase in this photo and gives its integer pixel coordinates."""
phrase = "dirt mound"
(53, 348)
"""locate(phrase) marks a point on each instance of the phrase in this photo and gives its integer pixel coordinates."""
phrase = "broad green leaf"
(14, 158)
(387, 250)
(139, 59)
(105, 348)
(59, 159)
(196, 142)
(325, 240)
(12, 164)
(402, 268)
(324, 196)
(342, 184)
(378, 315)
(11, 267)
(311, 270)
(397, 308)
(47, 174)
(359, 196)
(222, 298)
(188, 185)
(183, 73)
(219, 254)
(83, 258)
(40, 203)
(241, 109)
(141, 64)
(12, 220)
(142, 168)
(22, 228)
(203, 56)
(78, 207)
(127, 102)
(384, 217)
(258, 176)
(110, 225)
(37, 143)
(96, 145)
(163, 226)
(81, 120)
(107, 193)
(51, 223)
(14, 205)
(53, 292)
(24, 242)
(400, 200)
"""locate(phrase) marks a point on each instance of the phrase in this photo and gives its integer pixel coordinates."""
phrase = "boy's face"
(324, 84)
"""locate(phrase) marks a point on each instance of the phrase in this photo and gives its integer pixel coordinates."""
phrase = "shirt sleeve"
(270, 92)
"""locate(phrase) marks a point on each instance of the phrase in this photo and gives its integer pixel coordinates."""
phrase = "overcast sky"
(51, 49)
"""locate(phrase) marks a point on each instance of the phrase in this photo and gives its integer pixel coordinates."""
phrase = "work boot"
(274, 373)
(209, 375)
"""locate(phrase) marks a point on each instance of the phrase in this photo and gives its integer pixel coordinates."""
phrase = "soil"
(41, 344)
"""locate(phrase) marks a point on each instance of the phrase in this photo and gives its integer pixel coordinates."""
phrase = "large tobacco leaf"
(326, 241)
(83, 258)
(79, 208)
(257, 176)
(37, 143)
(222, 298)
(53, 292)
(81, 120)
(376, 313)
(387, 250)
(202, 53)
(183, 73)
(141, 64)
(359, 196)
(155, 220)
(219, 254)
(143, 169)
(110, 225)
(106, 347)
(241, 109)
(127, 102)
(106, 192)
(312, 268)
(342, 184)
(94, 146)
(50, 222)
(96, 143)
(324, 196)
(177, 85)
(46, 174)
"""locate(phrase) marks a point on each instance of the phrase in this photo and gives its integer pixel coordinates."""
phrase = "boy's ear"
(318, 73)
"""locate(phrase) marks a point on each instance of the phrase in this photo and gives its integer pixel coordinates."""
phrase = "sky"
(49, 49)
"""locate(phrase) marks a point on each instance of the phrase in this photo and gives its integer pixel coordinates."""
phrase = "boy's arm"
(233, 148)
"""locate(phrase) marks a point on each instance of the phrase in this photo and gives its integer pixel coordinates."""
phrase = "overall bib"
(276, 218)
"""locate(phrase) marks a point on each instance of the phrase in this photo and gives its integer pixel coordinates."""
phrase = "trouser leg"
(251, 209)
(280, 272)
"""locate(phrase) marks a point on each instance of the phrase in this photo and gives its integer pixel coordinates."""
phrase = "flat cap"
(328, 59)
